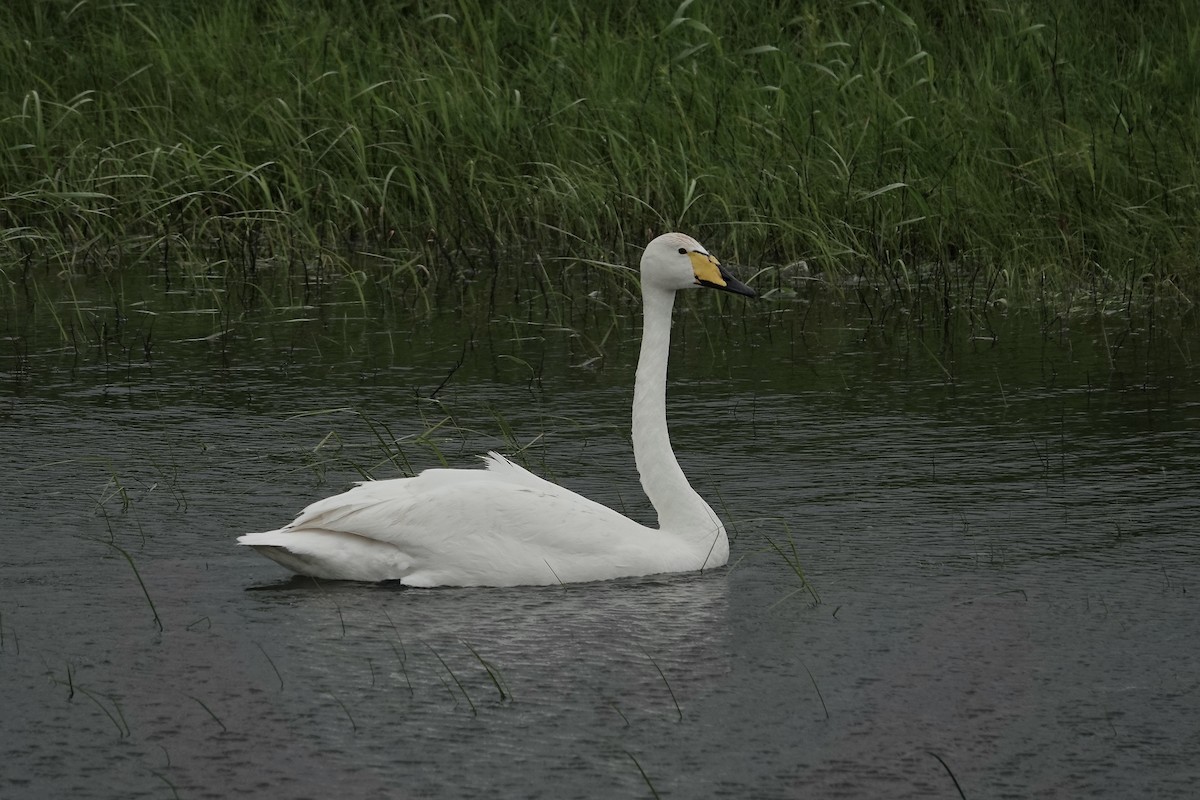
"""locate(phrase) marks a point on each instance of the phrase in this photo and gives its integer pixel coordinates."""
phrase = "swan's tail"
(331, 555)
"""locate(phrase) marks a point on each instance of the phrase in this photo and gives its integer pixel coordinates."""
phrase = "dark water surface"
(997, 514)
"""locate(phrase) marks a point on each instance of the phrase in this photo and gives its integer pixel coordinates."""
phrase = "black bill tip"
(732, 284)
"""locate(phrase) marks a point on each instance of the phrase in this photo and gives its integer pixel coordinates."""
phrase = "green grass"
(141, 583)
(642, 772)
(963, 146)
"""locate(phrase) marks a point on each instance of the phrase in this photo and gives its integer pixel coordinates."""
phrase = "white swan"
(505, 526)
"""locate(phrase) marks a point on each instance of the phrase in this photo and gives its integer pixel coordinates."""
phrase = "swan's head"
(675, 261)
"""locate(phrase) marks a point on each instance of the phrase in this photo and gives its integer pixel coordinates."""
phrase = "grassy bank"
(1008, 145)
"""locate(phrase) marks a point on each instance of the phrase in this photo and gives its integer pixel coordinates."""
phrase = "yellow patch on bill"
(705, 267)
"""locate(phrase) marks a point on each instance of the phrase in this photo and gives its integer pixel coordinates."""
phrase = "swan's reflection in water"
(630, 647)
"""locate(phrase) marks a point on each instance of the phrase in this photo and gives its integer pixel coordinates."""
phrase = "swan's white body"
(505, 526)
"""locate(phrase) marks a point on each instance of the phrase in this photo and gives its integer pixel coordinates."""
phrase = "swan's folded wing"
(501, 467)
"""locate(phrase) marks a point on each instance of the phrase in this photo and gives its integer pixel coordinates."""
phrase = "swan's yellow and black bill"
(710, 273)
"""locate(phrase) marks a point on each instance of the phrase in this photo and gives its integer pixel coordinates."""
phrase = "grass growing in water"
(666, 683)
(346, 711)
(116, 716)
(954, 146)
(209, 711)
(274, 668)
(141, 583)
(457, 682)
(493, 672)
(642, 772)
(791, 557)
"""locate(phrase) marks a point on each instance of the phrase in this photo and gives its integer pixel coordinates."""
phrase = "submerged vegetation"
(979, 146)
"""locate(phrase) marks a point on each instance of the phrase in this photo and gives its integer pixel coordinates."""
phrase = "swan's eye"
(683, 251)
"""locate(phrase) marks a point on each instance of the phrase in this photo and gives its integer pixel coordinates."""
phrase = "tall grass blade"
(642, 772)
(141, 583)
(457, 682)
(666, 683)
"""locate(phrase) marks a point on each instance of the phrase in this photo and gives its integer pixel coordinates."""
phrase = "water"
(997, 515)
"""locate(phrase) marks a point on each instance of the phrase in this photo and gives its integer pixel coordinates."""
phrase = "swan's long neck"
(680, 510)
